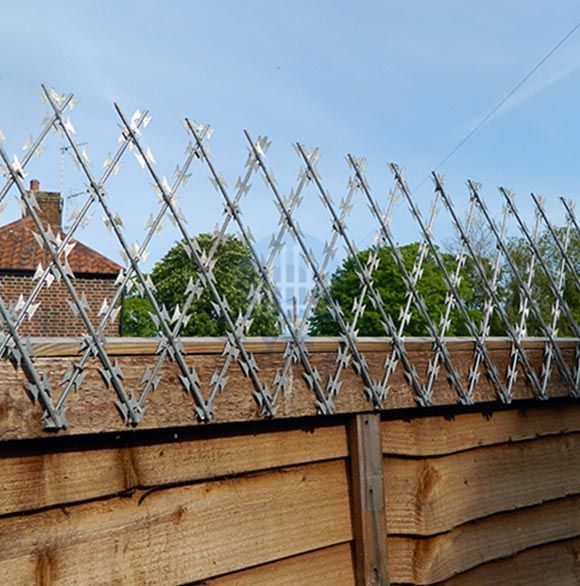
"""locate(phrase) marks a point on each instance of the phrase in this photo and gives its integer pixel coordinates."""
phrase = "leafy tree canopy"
(135, 320)
(541, 291)
(345, 287)
(235, 275)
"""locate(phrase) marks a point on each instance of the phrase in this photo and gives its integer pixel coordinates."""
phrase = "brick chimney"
(49, 204)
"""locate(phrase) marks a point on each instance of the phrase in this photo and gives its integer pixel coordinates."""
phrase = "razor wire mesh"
(559, 277)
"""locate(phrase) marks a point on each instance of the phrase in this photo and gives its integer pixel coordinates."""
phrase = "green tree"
(135, 320)
(345, 287)
(483, 246)
(541, 291)
(235, 276)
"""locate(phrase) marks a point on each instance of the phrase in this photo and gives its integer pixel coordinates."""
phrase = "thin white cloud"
(526, 93)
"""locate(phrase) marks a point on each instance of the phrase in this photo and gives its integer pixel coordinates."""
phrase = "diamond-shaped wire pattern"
(492, 273)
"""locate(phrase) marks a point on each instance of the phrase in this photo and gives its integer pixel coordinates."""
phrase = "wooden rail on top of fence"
(92, 408)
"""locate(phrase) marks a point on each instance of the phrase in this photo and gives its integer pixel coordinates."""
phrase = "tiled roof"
(19, 251)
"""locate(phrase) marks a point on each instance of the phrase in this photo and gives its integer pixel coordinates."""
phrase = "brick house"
(20, 256)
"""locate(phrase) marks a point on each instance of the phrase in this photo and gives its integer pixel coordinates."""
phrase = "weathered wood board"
(556, 563)
(434, 495)
(432, 560)
(92, 409)
(46, 476)
(332, 565)
(181, 534)
(439, 435)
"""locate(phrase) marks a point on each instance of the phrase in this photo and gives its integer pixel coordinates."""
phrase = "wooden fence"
(488, 494)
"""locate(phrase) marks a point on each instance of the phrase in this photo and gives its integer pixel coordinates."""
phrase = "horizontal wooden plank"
(431, 560)
(182, 534)
(332, 565)
(438, 435)
(92, 409)
(38, 480)
(433, 495)
(557, 563)
(69, 346)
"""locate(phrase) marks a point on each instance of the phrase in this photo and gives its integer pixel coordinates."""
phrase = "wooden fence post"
(370, 535)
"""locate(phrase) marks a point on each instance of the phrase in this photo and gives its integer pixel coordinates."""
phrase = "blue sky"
(390, 81)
